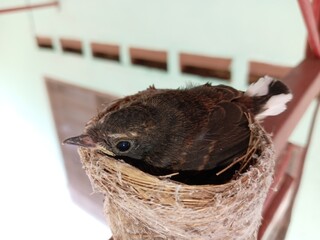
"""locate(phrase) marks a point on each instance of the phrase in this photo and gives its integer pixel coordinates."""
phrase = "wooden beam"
(310, 13)
(29, 7)
(304, 82)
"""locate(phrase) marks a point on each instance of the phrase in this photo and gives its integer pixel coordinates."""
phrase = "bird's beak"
(82, 140)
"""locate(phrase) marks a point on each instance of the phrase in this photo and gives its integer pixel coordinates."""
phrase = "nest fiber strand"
(142, 206)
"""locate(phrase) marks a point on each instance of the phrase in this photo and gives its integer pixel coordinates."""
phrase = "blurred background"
(61, 62)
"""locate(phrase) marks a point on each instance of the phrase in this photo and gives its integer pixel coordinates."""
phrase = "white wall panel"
(270, 31)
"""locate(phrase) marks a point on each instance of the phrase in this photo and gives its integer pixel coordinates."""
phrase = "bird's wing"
(224, 138)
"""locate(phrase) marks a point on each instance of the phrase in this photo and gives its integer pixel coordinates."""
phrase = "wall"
(270, 31)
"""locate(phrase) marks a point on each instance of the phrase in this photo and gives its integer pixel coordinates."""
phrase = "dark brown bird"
(194, 132)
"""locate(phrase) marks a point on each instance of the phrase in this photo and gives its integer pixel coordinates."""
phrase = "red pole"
(29, 7)
(312, 18)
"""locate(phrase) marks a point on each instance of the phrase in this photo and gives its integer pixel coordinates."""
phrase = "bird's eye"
(123, 146)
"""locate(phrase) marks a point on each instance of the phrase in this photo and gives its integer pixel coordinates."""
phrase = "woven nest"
(142, 206)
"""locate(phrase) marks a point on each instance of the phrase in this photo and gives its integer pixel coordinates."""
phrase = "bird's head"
(128, 132)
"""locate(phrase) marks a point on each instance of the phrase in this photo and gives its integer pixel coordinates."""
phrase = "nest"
(142, 206)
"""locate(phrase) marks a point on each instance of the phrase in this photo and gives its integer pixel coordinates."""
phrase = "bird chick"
(194, 132)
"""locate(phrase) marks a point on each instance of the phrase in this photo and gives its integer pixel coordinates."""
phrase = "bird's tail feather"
(270, 96)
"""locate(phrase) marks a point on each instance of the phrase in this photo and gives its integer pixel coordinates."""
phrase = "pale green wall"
(270, 31)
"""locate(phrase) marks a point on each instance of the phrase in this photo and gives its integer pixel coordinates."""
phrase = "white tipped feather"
(275, 105)
(260, 88)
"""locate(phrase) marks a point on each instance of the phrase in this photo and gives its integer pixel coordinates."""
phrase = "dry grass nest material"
(142, 206)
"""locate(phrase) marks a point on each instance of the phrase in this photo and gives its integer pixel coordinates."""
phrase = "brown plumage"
(194, 132)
